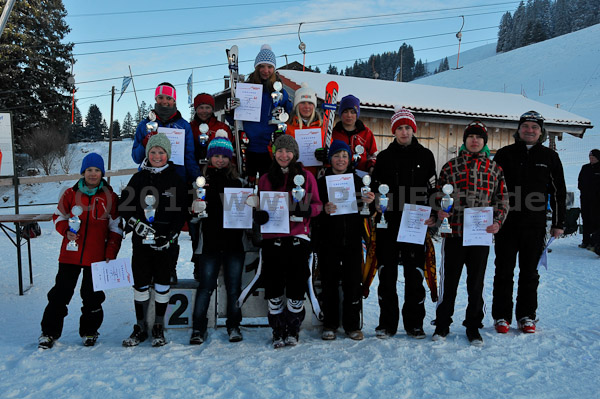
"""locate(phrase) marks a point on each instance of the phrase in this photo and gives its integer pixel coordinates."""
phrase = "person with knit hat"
(167, 116)
(98, 238)
(339, 248)
(305, 116)
(409, 170)
(204, 105)
(218, 246)
(285, 256)
(588, 184)
(477, 182)
(353, 132)
(163, 215)
(534, 176)
(259, 134)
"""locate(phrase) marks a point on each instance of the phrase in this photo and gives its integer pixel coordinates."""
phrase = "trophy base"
(296, 219)
(148, 242)
(73, 248)
(382, 225)
(365, 212)
(445, 231)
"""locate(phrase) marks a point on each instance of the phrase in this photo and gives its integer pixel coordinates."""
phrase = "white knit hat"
(305, 93)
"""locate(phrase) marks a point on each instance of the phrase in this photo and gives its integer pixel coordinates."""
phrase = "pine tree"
(35, 66)
(504, 32)
(561, 15)
(128, 129)
(93, 123)
(420, 69)
(76, 129)
(116, 133)
(332, 70)
(104, 129)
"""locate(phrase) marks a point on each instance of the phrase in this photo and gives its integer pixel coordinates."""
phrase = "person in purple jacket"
(285, 256)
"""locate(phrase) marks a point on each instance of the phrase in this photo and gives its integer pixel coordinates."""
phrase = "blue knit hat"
(265, 56)
(92, 160)
(220, 145)
(337, 146)
(350, 101)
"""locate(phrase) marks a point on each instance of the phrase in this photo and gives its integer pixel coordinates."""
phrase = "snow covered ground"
(559, 361)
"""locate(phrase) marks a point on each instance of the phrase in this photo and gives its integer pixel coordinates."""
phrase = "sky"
(163, 41)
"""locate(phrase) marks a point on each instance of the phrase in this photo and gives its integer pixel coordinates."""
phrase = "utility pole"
(110, 129)
(5, 14)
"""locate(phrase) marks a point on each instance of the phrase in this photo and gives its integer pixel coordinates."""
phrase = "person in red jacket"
(204, 104)
(353, 132)
(98, 238)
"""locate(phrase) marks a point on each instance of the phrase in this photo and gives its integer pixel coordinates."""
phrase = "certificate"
(113, 274)
(342, 194)
(276, 205)
(308, 141)
(236, 214)
(474, 225)
(412, 225)
(250, 96)
(177, 139)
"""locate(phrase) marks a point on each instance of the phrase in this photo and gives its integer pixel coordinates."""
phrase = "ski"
(232, 59)
(329, 106)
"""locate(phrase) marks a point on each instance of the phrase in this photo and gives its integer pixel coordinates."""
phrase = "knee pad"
(141, 294)
(276, 305)
(295, 305)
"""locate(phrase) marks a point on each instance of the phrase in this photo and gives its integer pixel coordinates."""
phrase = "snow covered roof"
(433, 99)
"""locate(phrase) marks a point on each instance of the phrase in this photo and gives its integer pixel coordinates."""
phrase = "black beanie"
(478, 128)
(596, 153)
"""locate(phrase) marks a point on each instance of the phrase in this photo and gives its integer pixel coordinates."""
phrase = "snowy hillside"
(559, 361)
(466, 57)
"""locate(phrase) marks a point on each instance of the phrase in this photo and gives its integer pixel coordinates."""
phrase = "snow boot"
(440, 334)
(235, 334)
(198, 337)
(90, 340)
(474, 337)
(277, 323)
(501, 326)
(293, 321)
(527, 325)
(137, 336)
(416, 333)
(45, 341)
(158, 335)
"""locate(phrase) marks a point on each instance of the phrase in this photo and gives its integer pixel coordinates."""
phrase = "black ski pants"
(60, 295)
(455, 256)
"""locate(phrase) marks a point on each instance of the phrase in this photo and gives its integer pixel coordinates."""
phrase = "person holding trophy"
(353, 132)
(471, 180)
(154, 207)
(217, 245)
(275, 107)
(88, 220)
(338, 238)
(285, 255)
(405, 173)
(204, 105)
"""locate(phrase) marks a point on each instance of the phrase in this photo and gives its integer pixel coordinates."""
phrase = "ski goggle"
(532, 116)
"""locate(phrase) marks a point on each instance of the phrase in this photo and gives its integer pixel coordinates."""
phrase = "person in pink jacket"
(98, 238)
(285, 256)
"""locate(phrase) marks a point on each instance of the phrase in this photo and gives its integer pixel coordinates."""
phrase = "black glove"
(261, 217)
(140, 228)
(164, 242)
(321, 154)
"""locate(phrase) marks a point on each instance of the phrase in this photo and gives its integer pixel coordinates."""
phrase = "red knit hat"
(402, 116)
(204, 98)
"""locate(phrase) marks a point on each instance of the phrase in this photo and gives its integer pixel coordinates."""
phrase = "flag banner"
(126, 81)
(190, 88)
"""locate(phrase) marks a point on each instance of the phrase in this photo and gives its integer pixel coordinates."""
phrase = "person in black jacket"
(408, 169)
(340, 250)
(217, 245)
(588, 184)
(532, 172)
(152, 262)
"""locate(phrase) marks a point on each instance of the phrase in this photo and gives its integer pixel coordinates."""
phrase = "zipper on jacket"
(87, 222)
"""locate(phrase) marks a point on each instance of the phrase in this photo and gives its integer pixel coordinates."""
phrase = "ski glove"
(321, 154)
(163, 242)
(232, 103)
(261, 217)
(140, 228)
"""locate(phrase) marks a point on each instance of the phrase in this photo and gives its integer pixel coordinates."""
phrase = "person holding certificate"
(306, 116)
(154, 206)
(285, 256)
(217, 245)
(408, 169)
(476, 182)
(353, 132)
(339, 241)
(89, 222)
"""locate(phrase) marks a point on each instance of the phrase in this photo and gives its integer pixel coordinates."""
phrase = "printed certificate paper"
(342, 193)
(114, 274)
(412, 225)
(308, 141)
(236, 214)
(475, 223)
(276, 205)
(250, 96)
(177, 139)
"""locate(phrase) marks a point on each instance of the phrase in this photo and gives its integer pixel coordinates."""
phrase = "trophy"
(149, 212)
(383, 203)
(152, 126)
(297, 194)
(278, 115)
(364, 190)
(199, 206)
(446, 203)
(203, 140)
(358, 151)
(253, 199)
(74, 225)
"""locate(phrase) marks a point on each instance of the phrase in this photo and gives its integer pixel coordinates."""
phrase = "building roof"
(385, 94)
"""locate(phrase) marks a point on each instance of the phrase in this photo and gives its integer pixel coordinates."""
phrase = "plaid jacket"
(478, 182)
